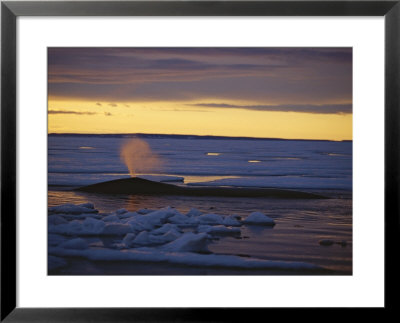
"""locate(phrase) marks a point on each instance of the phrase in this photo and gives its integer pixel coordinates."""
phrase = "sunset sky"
(293, 93)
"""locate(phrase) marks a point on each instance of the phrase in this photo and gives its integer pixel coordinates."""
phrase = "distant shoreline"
(176, 136)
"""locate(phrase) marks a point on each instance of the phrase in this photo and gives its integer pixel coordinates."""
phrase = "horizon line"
(191, 135)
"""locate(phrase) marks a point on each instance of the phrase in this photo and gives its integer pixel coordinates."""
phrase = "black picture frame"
(10, 10)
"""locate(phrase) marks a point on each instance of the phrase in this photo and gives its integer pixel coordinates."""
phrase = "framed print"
(181, 155)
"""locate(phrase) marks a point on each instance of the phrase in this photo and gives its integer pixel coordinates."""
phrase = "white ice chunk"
(259, 218)
(189, 242)
(121, 211)
(92, 226)
(168, 236)
(111, 218)
(211, 219)
(184, 258)
(165, 228)
(89, 226)
(81, 216)
(194, 212)
(145, 211)
(163, 214)
(87, 205)
(143, 238)
(128, 239)
(126, 215)
(116, 229)
(138, 226)
(151, 220)
(179, 218)
(56, 219)
(231, 221)
(78, 243)
(55, 239)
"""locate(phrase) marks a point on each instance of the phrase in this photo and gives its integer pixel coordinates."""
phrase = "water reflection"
(259, 229)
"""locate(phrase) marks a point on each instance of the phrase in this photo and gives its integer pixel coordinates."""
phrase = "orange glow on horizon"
(76, 116)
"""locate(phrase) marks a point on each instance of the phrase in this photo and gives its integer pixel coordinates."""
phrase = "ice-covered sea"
(308, 236)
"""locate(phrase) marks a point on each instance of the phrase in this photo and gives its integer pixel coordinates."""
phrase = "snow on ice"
(163, 235)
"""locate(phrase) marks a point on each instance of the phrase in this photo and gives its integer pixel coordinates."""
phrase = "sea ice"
(55, 239)
(89, 226)
(87, 205)
(126, 215)
(189, 242)
(143, 238)
(165, 228)
(128, 239)
(259, 218)
(146, 238)
(156, 236)
(231, 221)
(210, 219)
(182, 219)
(152, 220)
(194, 212)
(78, 243)
(168, 236)
(111, 218)
(116, 229)
(145, 211)
(184, 258)
(92, 226)
(121, 211)
(56, 219)
(138, 226)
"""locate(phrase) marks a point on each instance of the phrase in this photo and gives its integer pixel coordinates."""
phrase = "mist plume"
(138, 157)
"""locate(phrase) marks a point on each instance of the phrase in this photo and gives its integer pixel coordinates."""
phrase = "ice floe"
(128, 239)
(56, 219)
(116, 229)
(182, 258)
(210, 219)
(189, 241)
(194, 212)
(259, 218)
(77, 243)
(163, 235)
(166, 228)
(121, 211)
(111, 218)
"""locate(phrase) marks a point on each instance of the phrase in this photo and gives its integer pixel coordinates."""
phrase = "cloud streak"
(71, 112)
(306, 108)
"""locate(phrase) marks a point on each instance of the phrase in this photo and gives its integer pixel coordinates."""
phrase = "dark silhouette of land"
(142, 186)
